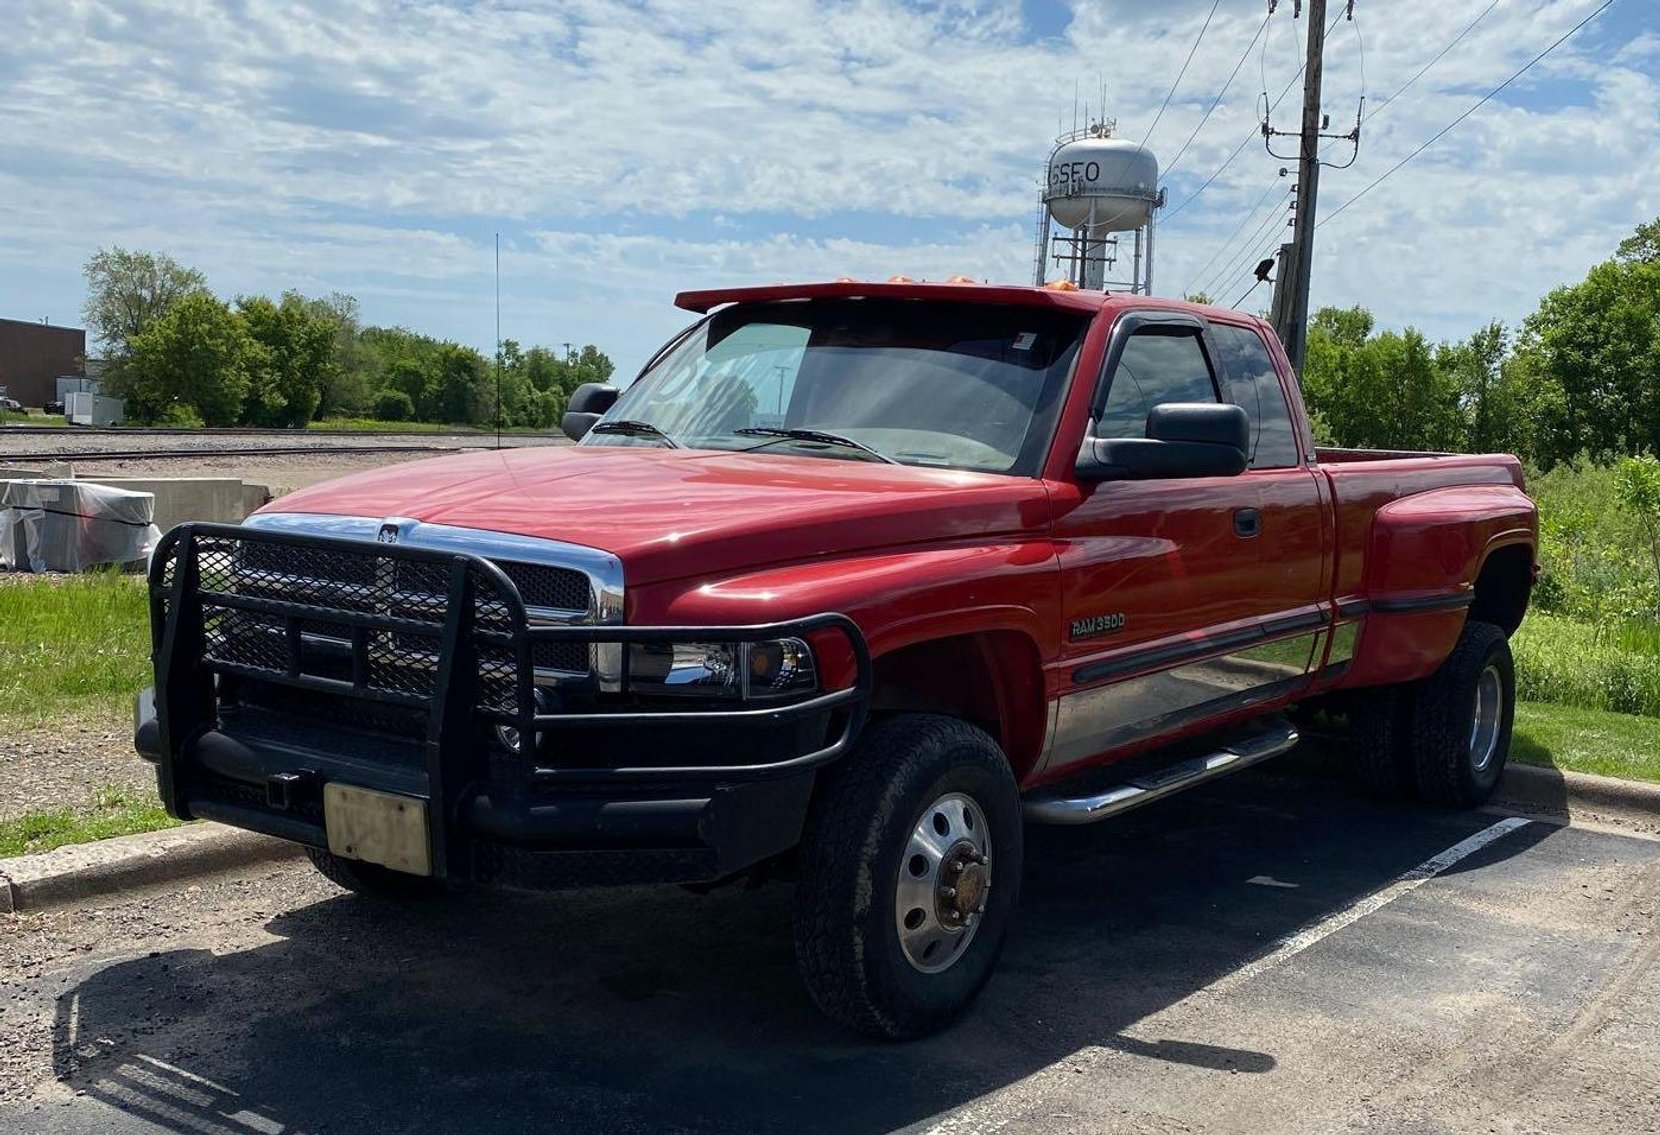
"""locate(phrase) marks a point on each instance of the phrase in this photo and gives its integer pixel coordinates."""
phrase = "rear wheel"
(371, 878)
(910, 873)
(1462, 718)
(1380, 722)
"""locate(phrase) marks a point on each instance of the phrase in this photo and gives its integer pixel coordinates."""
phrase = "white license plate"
(377, 827)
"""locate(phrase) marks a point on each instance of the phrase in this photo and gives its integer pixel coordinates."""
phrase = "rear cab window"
(1254, 385)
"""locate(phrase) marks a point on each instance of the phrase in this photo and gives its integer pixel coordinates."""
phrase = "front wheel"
(1462, 717)
(910, 874)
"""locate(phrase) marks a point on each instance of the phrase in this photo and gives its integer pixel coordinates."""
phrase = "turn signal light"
(1061, 286)
(900, 280)
(962, 280)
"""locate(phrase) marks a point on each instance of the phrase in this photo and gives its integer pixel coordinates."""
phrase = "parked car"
(53, 408)
(12, 405)
(849, 583)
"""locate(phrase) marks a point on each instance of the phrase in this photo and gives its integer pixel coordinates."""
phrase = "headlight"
(722, 669)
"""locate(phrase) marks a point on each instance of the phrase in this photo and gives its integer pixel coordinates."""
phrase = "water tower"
(1097, 189)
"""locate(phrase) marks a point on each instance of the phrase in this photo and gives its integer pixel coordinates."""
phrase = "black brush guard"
(443, 639)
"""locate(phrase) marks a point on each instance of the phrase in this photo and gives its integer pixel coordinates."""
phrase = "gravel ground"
(66, 765)
(281, 473)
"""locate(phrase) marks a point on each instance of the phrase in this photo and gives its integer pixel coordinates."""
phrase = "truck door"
(1187, 598)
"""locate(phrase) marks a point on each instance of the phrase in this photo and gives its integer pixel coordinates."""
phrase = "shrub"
(394, 406)
(179, 415)
(1613, 667)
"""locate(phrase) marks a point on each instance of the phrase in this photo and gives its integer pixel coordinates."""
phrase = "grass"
(31, 418)
(1613, 667)
(1587, 740)
(1591, 549)
(115, 811)
(71, 644)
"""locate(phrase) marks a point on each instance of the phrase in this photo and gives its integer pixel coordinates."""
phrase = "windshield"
(949, 384)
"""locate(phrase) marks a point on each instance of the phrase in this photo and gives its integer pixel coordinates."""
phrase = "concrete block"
(219, 500)
(255, 496)
(13, 473)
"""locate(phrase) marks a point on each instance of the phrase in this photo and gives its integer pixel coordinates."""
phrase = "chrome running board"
(1258, 745)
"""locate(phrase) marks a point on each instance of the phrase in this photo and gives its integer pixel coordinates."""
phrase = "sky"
(627, 149)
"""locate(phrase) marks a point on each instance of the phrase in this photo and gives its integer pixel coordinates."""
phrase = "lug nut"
(948, 892)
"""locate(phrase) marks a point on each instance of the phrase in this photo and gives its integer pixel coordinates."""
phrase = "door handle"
(1247, 522)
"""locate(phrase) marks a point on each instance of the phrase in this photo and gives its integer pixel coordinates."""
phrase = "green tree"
(1486, 403)
(198, 355)
(128, 291)
(1378, 391)
(1642, 246)
(394, 406)
(351, 381)
(1594, 347)
(459, 393)
(297, 362)
(1637, 480)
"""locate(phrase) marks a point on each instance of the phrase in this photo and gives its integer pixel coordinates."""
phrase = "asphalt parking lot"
(1239, 959)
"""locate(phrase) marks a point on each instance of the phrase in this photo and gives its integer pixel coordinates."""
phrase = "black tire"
(372, 879)
(1446, 744)
(847, 938)
(1380, 730)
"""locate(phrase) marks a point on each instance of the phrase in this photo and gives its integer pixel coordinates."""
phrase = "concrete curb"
(1578, 796)
(108, 866)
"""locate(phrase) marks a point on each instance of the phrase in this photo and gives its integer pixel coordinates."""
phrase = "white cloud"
(373, 145)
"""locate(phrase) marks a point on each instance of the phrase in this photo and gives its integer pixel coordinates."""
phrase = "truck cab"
(850, 584)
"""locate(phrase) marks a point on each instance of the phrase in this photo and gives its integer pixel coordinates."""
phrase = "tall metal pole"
(498, 340)
(1294, 330)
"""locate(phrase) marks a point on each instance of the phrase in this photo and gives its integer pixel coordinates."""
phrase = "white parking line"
(1332, 923)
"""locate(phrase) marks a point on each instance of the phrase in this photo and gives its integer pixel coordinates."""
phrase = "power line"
(1239, 228)
(1224, 249)
(1445, 130)
(1249, 138)
(1231, 266)
(1262, 254)
(1190, 52)
(1217, 101)
(1419, 74)
(1439, 55)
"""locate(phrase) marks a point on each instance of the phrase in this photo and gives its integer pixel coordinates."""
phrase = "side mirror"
(1184, 439)
(588, 403)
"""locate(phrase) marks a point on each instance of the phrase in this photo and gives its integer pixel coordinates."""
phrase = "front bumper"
(589, 812)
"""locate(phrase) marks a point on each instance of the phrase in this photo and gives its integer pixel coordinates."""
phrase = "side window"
(1254, 384)
(1156, 366)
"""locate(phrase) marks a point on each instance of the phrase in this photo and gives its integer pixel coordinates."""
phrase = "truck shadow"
(658, 1010)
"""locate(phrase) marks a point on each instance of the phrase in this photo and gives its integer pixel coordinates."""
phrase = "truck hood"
(677, 513)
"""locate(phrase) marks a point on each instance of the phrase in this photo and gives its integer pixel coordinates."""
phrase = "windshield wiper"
(781, 433)
(635, 428)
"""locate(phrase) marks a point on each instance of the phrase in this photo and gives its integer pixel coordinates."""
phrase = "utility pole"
(1294, 276)
(1297, 258)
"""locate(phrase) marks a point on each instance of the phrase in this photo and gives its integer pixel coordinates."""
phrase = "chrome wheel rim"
(944, 883)
(1484, 724)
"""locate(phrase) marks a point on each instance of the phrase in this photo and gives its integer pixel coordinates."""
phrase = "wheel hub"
(963, 894)
(1486, 719)
(944, 882)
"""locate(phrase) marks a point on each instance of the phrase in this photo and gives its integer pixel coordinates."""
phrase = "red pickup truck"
(852, 581)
